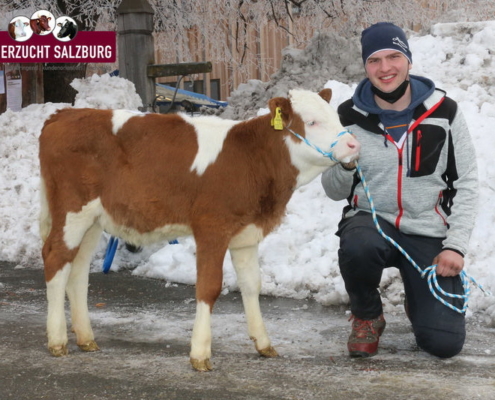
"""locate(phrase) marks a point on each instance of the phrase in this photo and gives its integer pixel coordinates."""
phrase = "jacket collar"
(359, 112)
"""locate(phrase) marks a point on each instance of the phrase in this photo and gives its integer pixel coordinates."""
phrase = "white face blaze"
(321, 128)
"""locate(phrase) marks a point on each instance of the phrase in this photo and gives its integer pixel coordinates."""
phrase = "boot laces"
(362, 327)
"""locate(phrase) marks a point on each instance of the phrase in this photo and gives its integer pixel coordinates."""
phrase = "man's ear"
(326, 94)
(285, 109)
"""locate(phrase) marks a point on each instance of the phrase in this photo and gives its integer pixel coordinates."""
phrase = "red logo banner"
(86, 47)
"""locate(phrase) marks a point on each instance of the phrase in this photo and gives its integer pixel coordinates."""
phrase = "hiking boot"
(365, 335)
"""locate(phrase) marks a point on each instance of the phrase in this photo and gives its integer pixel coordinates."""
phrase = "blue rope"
(112, 248)
(110, 254)
(326, 154)
(430, 272)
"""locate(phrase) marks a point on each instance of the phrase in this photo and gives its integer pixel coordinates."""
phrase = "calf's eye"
(311, 123)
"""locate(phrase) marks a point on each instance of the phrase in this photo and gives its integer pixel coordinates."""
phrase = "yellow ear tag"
(277, 120)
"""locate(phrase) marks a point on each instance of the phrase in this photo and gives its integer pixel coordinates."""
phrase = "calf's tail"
(45, 216)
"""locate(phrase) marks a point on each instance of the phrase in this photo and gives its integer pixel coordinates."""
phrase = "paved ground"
(143, 327)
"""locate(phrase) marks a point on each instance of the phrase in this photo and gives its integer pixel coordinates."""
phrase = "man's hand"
(449, 263)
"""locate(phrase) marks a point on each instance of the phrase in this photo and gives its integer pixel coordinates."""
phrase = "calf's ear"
(326, 94)
(285, 108)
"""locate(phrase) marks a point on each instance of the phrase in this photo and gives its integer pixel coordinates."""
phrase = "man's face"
(387, 69)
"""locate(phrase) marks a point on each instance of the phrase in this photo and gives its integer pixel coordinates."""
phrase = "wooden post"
(32, 84)
(136, 47)
(3, 97)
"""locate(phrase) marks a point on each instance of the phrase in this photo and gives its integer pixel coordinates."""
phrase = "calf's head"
(310, 116)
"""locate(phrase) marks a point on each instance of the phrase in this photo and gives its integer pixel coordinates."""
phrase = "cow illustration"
(68, 29)
(17, 29)
(41, 24)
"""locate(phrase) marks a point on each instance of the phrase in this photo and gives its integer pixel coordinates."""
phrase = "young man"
(419, 162)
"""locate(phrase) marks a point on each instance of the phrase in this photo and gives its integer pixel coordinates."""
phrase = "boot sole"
(361, 354)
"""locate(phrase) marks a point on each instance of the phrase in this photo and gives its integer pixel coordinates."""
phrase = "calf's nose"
(354, 145)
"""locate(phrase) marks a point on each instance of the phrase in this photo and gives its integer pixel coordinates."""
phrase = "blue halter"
(324, 153)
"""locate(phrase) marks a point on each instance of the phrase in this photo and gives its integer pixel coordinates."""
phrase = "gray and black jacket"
(426, 184)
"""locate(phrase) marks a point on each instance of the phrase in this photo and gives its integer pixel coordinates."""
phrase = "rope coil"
(429, 272)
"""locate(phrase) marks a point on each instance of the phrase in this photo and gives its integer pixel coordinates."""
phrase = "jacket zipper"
(399, 191)
(418, 150)
(437, 210)
(399, 180)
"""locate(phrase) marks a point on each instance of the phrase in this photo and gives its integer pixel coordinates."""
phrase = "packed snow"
(299, 259)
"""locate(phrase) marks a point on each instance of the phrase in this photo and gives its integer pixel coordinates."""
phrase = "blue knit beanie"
(384, 36)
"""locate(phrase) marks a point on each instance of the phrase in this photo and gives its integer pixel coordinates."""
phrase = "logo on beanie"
(400, 43)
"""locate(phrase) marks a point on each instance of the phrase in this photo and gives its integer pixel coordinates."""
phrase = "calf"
(40, 25)
(149, 177)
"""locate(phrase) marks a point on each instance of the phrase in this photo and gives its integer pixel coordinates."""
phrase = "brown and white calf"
(151, 177)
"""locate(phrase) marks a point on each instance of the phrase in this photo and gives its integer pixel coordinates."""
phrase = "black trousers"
(363, 255)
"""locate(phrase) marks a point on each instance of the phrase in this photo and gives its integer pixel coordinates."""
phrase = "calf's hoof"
(268, 352)
(89, 346)
(201, 365)
(58, 351)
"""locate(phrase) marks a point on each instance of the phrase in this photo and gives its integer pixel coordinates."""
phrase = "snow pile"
(328, 56)
(106, 92)
(459, 58)
(19, 181)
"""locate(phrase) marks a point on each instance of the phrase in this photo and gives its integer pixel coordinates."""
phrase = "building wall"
(267, 38)
(259, 58)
